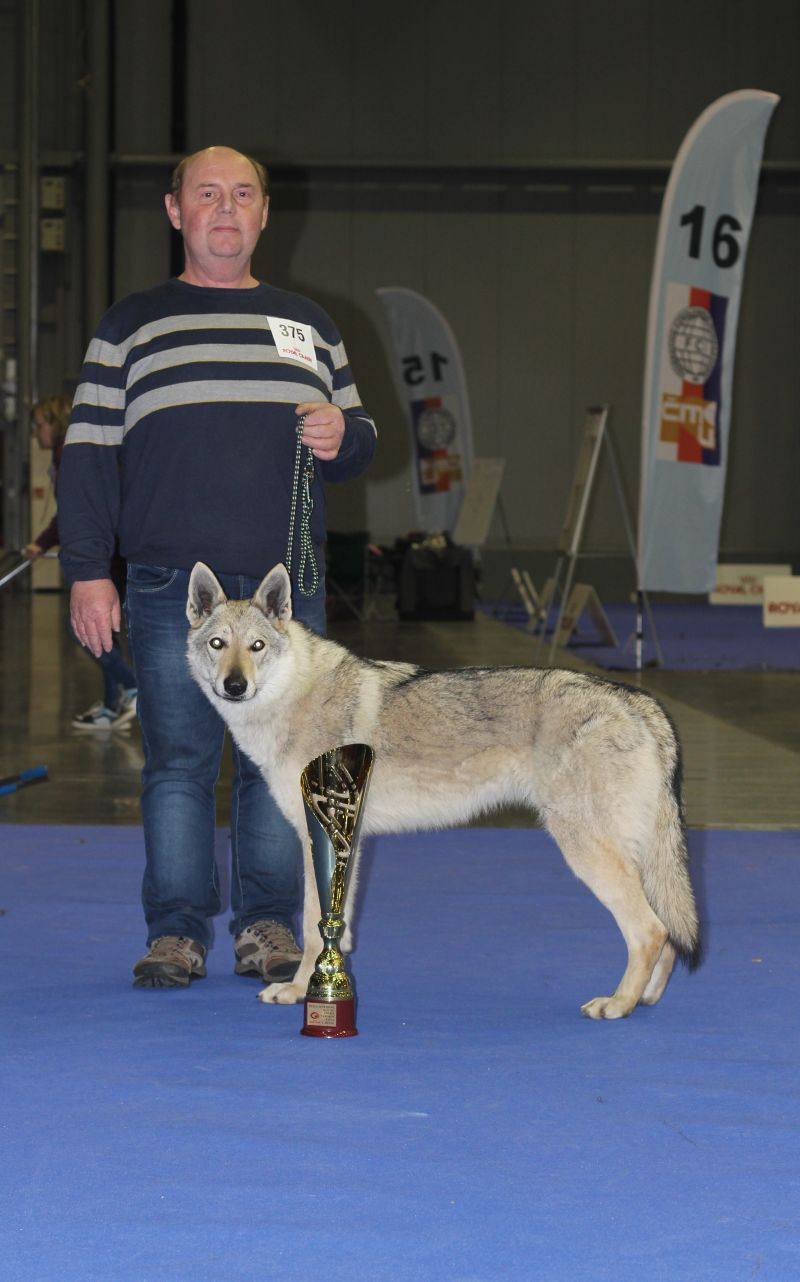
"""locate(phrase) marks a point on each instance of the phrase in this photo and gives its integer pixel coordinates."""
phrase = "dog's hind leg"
(660, 976)
(615, 881)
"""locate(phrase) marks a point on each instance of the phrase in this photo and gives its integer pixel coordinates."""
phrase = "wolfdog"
(598, 762)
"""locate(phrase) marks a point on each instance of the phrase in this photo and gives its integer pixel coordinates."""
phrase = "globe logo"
(436, 428)
(693, 345)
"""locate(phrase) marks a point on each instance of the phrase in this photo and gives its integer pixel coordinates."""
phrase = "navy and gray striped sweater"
(182, 438)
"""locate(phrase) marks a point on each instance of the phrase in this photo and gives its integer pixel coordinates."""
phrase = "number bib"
(293, 341)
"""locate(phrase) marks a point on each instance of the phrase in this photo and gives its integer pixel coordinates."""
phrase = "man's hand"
(95, 614)
(323, 429)
(32, 552)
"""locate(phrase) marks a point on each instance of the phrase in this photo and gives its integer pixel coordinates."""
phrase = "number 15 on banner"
(415, 368)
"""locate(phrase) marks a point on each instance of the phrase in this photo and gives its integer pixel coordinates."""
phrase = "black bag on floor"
(436, 582)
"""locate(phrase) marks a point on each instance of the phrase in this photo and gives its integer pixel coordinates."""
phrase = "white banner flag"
(702, 241)
(432, 387)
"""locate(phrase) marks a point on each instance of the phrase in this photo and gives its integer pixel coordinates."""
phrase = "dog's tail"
(665, 866)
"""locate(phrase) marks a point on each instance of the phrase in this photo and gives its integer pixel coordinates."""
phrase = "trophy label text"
(321, 1014)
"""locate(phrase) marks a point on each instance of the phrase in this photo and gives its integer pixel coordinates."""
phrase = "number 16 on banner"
(696, 285)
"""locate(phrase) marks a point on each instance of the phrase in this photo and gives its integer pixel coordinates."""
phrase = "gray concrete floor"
(740, 730)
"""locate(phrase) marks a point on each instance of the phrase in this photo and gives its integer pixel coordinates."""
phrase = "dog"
(598, 762)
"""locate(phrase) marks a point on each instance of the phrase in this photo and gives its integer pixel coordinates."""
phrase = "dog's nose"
(235, 685)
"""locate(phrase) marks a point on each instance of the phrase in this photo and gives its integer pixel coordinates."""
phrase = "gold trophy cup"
(334, 787)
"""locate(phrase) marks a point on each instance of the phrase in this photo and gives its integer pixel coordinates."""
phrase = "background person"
(117, 708)
(183, 441)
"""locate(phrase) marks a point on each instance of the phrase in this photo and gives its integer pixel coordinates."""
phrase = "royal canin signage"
(782, 602)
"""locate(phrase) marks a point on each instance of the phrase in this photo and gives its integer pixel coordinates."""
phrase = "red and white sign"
(744, 584)
(782, 602)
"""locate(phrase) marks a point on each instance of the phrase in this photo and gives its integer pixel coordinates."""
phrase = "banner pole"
(642, 600)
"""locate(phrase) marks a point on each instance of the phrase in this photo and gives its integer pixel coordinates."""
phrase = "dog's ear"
(273, 596)
(205, 594)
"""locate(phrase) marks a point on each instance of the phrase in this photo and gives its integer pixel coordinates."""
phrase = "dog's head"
(233, 643)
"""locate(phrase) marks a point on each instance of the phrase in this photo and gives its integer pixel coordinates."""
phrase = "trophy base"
(329, 1018)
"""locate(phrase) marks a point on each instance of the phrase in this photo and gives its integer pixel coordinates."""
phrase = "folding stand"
(574, 600)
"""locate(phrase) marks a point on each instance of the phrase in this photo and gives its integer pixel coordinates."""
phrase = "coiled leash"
(307, 570)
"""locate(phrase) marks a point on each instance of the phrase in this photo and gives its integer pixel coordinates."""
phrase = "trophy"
(334, 786)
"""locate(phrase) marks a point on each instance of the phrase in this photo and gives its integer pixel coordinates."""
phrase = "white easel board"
(478, 504)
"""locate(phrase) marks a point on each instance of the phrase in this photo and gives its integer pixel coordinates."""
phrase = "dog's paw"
(282, 994)
(606, 1008)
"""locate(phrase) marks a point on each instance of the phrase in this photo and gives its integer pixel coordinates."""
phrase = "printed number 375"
(293, 331)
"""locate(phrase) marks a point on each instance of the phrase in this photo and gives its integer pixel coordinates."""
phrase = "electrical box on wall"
(52, 202)
(51, 235)
(52, 192)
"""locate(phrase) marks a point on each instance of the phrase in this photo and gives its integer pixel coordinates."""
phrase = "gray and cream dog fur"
(598, 762)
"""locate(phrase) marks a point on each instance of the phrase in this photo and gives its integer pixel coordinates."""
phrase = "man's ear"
(205, 594)
(173, 210)
(273, 596)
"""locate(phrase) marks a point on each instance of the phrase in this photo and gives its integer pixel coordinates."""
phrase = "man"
(183, 441)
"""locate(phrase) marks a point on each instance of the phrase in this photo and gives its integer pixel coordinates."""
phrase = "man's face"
(221, 211)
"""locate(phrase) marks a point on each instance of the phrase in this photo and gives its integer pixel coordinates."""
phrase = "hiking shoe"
(267, 949)
(126, 709)
(173, 960)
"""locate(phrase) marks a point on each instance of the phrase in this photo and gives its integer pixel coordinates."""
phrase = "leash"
(307, 562)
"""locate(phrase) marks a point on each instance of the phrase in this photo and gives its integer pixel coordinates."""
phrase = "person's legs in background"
(118, 705)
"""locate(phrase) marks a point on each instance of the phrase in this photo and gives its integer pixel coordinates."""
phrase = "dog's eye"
(257, 645)
(217, 643)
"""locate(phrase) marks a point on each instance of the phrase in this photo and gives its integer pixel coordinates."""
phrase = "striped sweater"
(182, 439)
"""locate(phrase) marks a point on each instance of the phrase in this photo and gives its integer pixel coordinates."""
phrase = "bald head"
(220, 207)
(213, 154)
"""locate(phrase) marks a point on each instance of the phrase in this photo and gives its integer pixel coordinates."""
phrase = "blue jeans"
(182, 736)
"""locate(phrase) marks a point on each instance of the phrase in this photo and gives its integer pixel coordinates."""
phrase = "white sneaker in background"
(98, 717)
(126, 711)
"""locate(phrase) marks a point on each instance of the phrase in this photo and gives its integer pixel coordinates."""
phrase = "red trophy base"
(330, 1018)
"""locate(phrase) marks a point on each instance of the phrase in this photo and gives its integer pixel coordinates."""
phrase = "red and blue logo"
(691, 376)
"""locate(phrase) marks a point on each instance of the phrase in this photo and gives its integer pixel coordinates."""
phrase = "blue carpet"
(478, 1129)
(694, 635)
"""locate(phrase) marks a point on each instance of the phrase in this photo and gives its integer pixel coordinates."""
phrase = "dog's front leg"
(286, 994)
(349, 907)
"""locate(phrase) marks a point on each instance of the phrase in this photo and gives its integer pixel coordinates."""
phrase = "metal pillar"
(19, 373)
(96, 251)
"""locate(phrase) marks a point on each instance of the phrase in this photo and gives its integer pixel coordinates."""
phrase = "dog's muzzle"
(235, 686)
